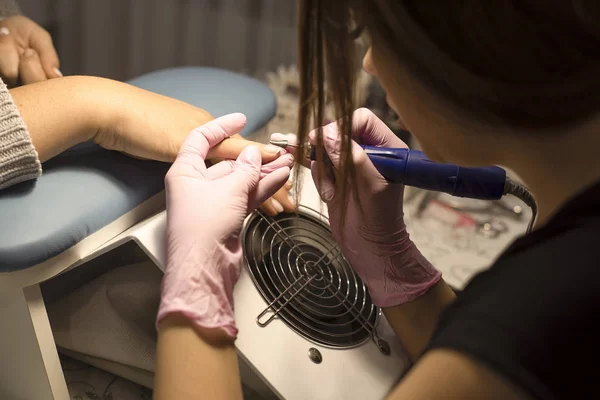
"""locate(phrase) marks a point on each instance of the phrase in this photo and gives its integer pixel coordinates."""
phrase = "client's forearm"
(58, 113)
(194, 365)
(61, 113)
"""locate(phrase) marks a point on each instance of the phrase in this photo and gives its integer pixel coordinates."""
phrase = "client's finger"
(271, 208)
(9, 58)
(30, 68)
(230, 149)
(41, 41)
(286, 201)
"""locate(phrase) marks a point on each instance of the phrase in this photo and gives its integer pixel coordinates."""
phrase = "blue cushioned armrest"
(87, 188)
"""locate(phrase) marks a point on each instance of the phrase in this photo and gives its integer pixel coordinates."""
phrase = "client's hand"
(152, 126)
(205, 212)
(26, 52)
(123, 118)
(280, 201)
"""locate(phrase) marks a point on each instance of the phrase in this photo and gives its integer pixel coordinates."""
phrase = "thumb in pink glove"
(376, 242)
(206, 208)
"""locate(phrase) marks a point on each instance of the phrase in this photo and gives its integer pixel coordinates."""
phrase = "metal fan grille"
(300, 272)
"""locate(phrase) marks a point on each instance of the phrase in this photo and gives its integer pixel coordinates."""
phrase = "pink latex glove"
(206, 208)
(376, 243)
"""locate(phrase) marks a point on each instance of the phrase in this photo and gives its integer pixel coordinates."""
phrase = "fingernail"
(4, 31)
(271, 149)
(291, 200)
(278, 136)
(277, 205)
(292, 138)
(251, 155)
(58, 72)
(29, 53)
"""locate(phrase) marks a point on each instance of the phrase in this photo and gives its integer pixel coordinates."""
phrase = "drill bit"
(282, 143)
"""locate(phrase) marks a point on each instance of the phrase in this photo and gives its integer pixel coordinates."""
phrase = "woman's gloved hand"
(205, 212)
(375, 242)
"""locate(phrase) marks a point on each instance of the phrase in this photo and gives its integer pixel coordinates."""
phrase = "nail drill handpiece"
(413, 168)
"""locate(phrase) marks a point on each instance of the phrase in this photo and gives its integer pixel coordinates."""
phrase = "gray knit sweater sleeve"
(8, 8)
(18, 159)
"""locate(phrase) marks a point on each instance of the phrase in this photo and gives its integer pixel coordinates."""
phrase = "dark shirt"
(534, 316)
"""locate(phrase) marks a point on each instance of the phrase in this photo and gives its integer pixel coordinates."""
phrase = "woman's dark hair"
(529, 64)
